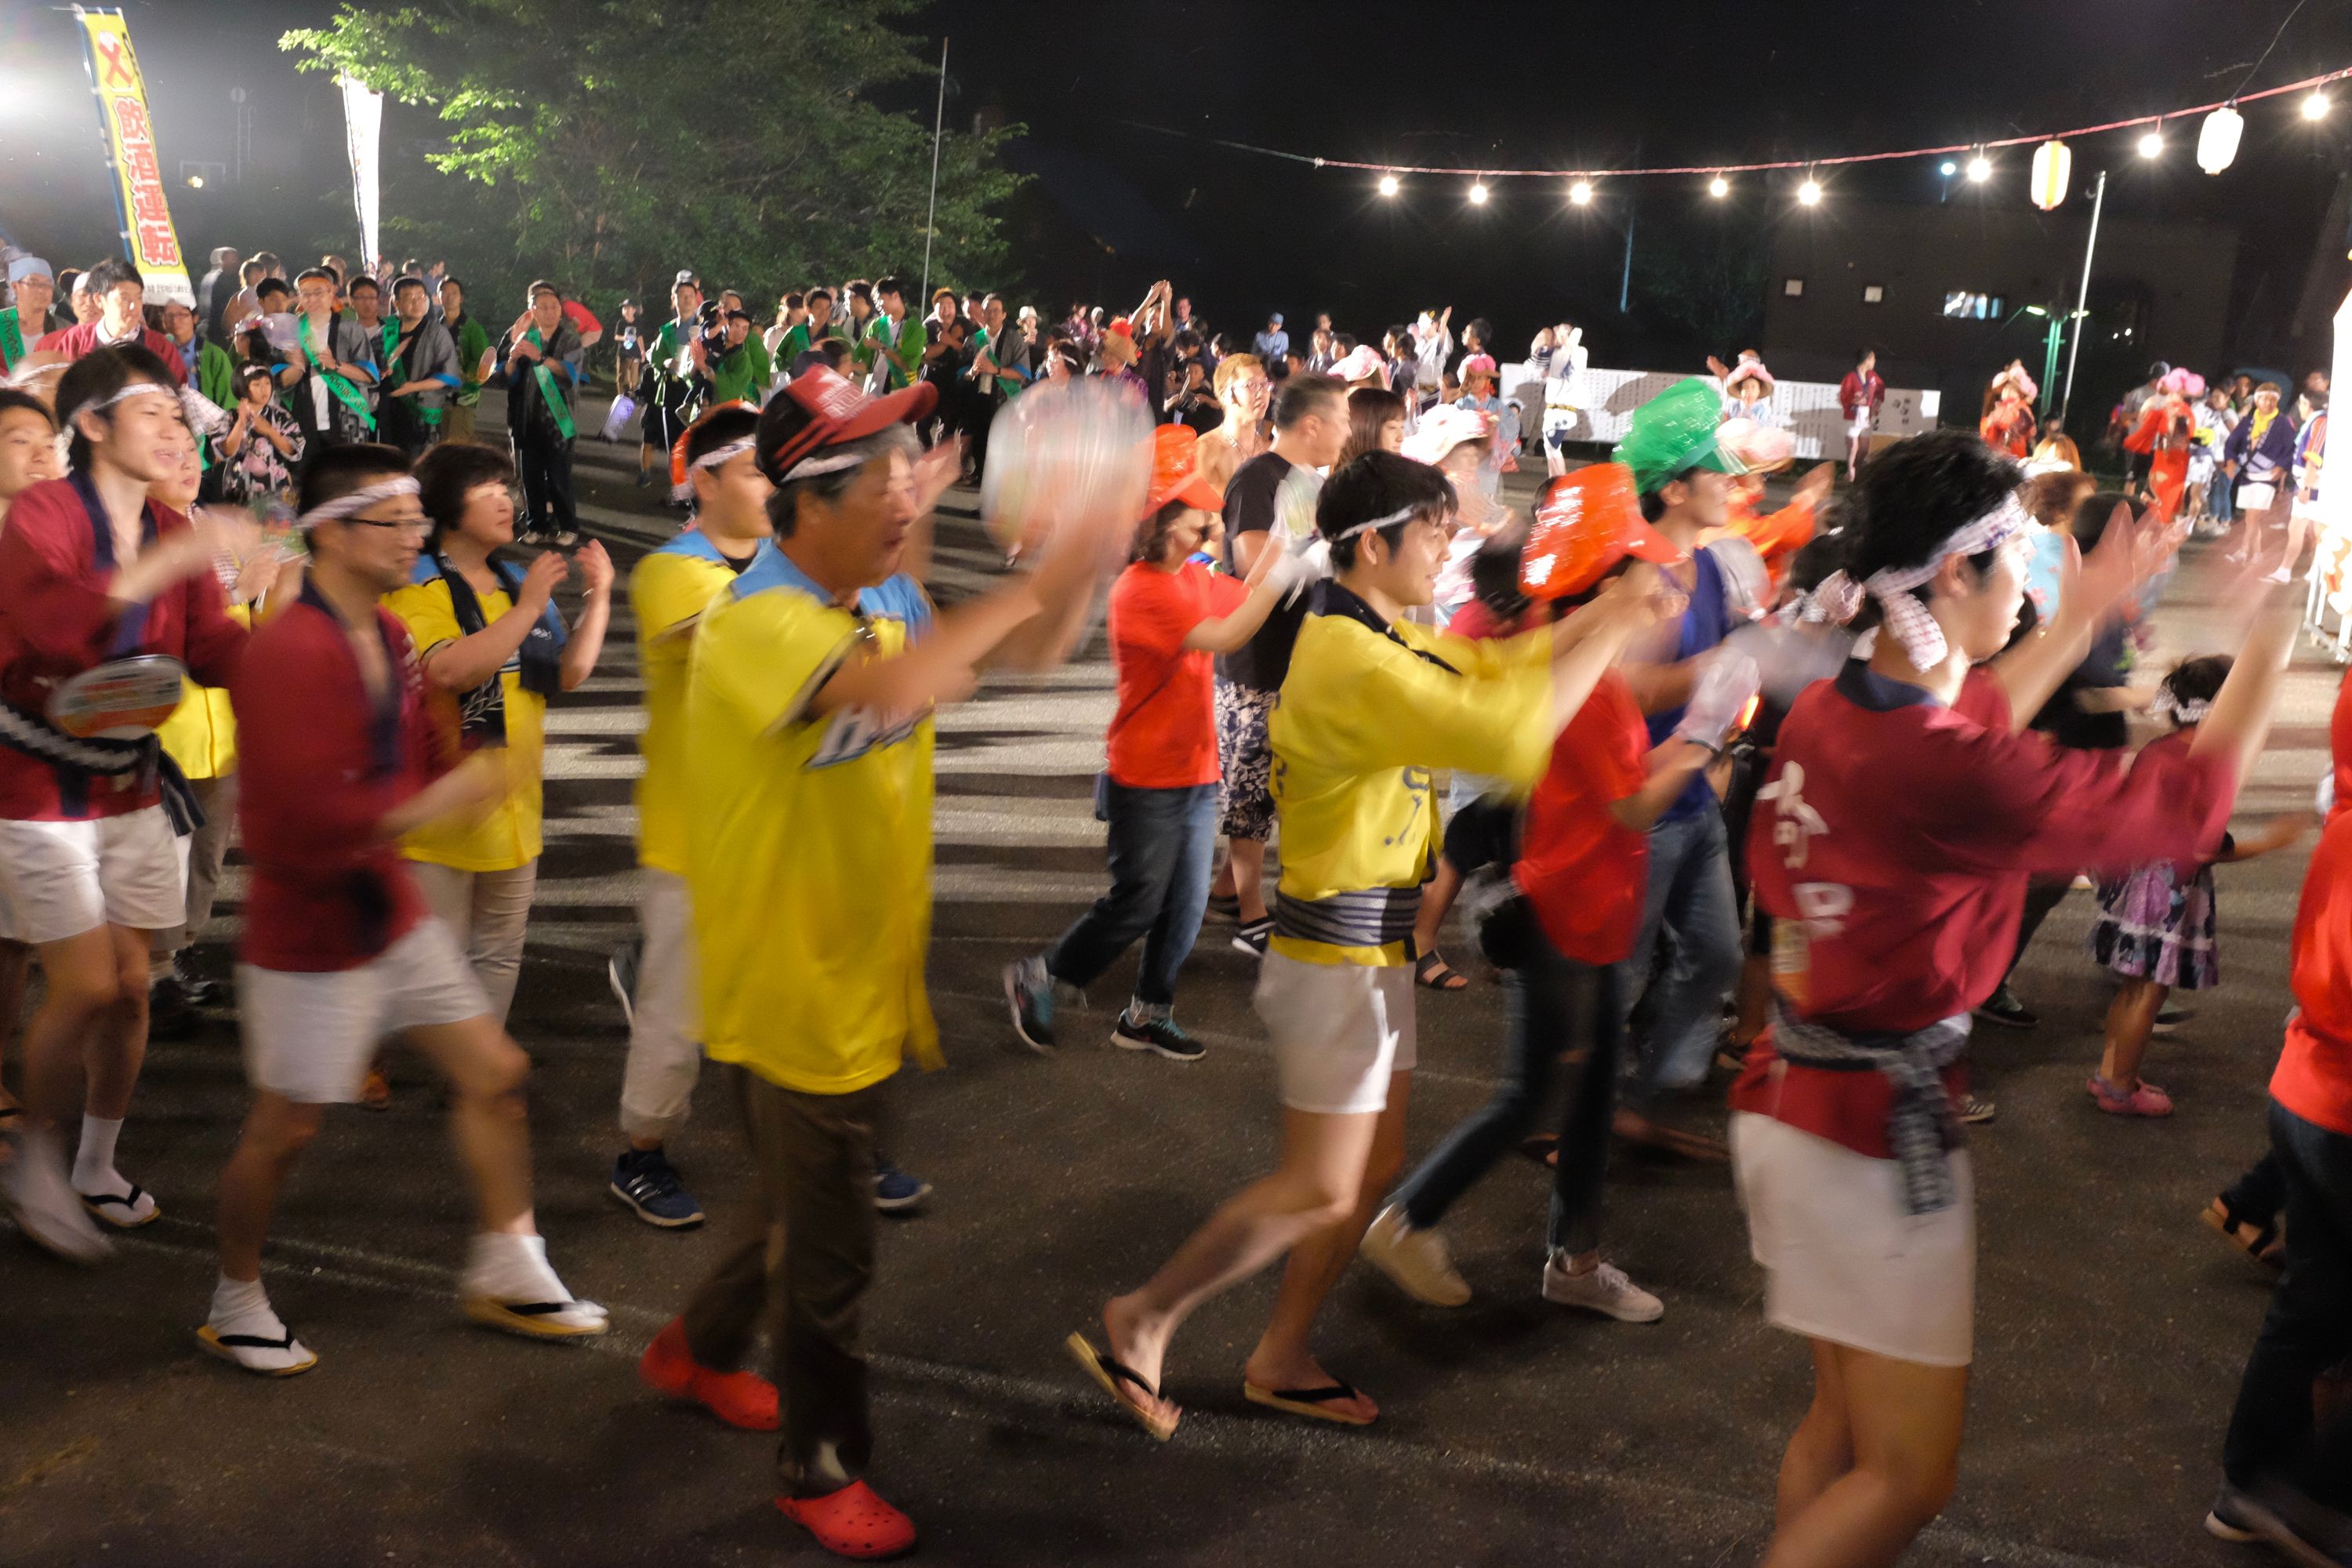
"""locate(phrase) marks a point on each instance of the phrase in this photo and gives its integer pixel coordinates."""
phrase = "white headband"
(2184, 713)
(817, 468)
(358, 501)
(1402, 514)
(684, 489)
(1840, 597)
(127, 389)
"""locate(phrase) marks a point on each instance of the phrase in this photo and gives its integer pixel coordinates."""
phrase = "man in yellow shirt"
(1371, 703)
(657, 983)
(808, 752)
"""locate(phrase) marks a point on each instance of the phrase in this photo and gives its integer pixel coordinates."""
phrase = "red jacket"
(2315, 1072)
(56, 621)
(82, 337)
(319, 766)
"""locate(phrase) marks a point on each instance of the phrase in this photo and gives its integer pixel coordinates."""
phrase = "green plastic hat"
(1674, 432)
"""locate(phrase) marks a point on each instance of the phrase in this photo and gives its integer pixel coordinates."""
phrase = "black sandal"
(2266, 1246)
(1315, 1403)
(1110, 1373)
(1432, 971)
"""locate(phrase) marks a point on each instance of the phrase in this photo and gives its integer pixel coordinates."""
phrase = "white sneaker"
(2281, 575)
(509, 1285)
(47, 1208)
(1603, 1289)
(1417, 1260)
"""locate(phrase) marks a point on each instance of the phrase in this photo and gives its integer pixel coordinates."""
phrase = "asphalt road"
(2112, 1327)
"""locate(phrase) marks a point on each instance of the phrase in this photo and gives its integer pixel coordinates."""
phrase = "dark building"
(1942, 293)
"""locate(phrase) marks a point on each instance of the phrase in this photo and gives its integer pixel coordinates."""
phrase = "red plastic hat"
(1123, 327)
(1585, 524)
(1176, 471)
(820, 408)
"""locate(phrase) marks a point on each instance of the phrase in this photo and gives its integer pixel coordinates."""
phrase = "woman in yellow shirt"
(493, 648)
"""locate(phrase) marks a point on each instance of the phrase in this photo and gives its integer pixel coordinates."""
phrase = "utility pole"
(2083, 302)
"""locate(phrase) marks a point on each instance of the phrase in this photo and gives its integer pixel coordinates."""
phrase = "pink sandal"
(2143, 1098)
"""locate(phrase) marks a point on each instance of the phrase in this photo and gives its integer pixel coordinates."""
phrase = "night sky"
(1506, 85)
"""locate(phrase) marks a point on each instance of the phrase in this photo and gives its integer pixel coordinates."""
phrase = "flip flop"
(1111, 1374)
(1431, 971)
(2260, 1242)
(1315, 1403)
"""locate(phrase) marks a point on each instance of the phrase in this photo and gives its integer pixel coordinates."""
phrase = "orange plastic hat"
(1585, 524)
(1176, 471)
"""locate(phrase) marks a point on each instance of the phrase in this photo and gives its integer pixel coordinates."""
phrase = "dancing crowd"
(1783, 791)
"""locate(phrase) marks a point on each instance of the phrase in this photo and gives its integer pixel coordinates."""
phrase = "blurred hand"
(547, 572)
(595, 567)
(934, 472)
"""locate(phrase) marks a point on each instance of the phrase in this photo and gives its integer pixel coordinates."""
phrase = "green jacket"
(913, 337)
(743, 376)
(473, 343)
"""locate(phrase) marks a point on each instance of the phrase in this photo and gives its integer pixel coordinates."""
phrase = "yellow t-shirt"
(809, 839)
(669, 591)
(1360, 722)
(200, 733)
(508, 835)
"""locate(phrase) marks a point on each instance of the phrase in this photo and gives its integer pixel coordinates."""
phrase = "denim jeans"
(1556, 1005)
(2309, 1328)
(2217, 497)
(1161, 843)
(1690, 895)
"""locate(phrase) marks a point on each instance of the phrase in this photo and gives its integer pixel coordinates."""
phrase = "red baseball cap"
(820, 408)
(1176, 471)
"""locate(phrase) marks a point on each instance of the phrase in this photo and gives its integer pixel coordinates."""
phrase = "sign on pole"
(147, 237)
(362, 133)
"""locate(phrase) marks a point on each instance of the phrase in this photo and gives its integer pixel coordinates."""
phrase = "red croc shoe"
(852, 1522)
(738, 1398)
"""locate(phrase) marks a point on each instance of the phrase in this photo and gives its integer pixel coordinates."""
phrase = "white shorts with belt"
(1339, 1030)
(309, 1035)
(1843, 1260)
(61, 879)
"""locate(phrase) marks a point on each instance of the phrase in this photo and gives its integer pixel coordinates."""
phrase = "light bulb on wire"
(1809, 193)
(2315, 107)
(1719, 187)
(1947, 168)
(1979, 169)
(1477, 192)
(1389, 184)
(1580, 193)
(2151, 144)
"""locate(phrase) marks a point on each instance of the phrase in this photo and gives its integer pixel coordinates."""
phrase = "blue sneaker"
(645, 1181)
(895, 1190)
(1029, 993)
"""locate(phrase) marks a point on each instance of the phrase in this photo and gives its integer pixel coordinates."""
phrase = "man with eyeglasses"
(339, 948)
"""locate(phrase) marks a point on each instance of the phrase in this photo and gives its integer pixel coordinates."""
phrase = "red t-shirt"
(1164, 735)
(317, 767)
(2315, 1072)
(56, 621)
(1892, 845)
(1585, 872)
(82, 337)
(583, 320)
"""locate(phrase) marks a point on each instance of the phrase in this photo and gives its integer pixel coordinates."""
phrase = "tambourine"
(120, 700)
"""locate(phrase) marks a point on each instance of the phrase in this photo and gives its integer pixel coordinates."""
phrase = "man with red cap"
(809, 737)
(1167, 615)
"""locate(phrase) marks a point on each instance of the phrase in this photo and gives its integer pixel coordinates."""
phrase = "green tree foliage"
(1709, 284)
(613, 142)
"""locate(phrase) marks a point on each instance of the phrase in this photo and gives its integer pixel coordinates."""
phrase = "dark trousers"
(2260, 1192)
(1557, 1005)
(1161, 845)
(800, 1256)
(2273, 1434)
(545, 464)
(2041, 898)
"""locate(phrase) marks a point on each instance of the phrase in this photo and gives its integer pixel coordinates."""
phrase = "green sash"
(341, 385)
(12, 338)
(426, 415)
(547, 391)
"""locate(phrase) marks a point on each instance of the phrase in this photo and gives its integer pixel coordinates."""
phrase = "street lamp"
(1979, 169)
(1719, 187)
(1580, 193)
(2315, 107)
(1389, 184)
(2151, 144)
(1477, 192)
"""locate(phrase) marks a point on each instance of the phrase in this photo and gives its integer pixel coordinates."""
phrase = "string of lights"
(2218, 142)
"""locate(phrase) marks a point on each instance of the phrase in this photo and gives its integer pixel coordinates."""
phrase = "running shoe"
(170, 1015)
(1975, 1109)
(895, 1192)
(200, 992)
(1250, 936)
(1416, 1260)
(621, 975)
(645, 1181)
(1161, 1034)
(1029, 994)
(1224, 907)
(2002, 1007)
(1604, 1289)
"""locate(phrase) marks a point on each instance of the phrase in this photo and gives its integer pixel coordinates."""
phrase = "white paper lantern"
(2217, 142)
(2054, 172)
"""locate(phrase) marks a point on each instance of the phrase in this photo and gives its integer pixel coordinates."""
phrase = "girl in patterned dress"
(2155, 925)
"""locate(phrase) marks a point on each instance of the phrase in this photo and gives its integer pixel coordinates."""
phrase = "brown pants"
(459, 425)
(802, 1248)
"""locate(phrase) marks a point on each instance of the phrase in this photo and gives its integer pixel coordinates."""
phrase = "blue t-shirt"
(1707, 622)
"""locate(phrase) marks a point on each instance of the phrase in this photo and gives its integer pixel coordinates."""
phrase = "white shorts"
(1338, 1031)
(61, 879)
(1842, 1261)
(310, 1036)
